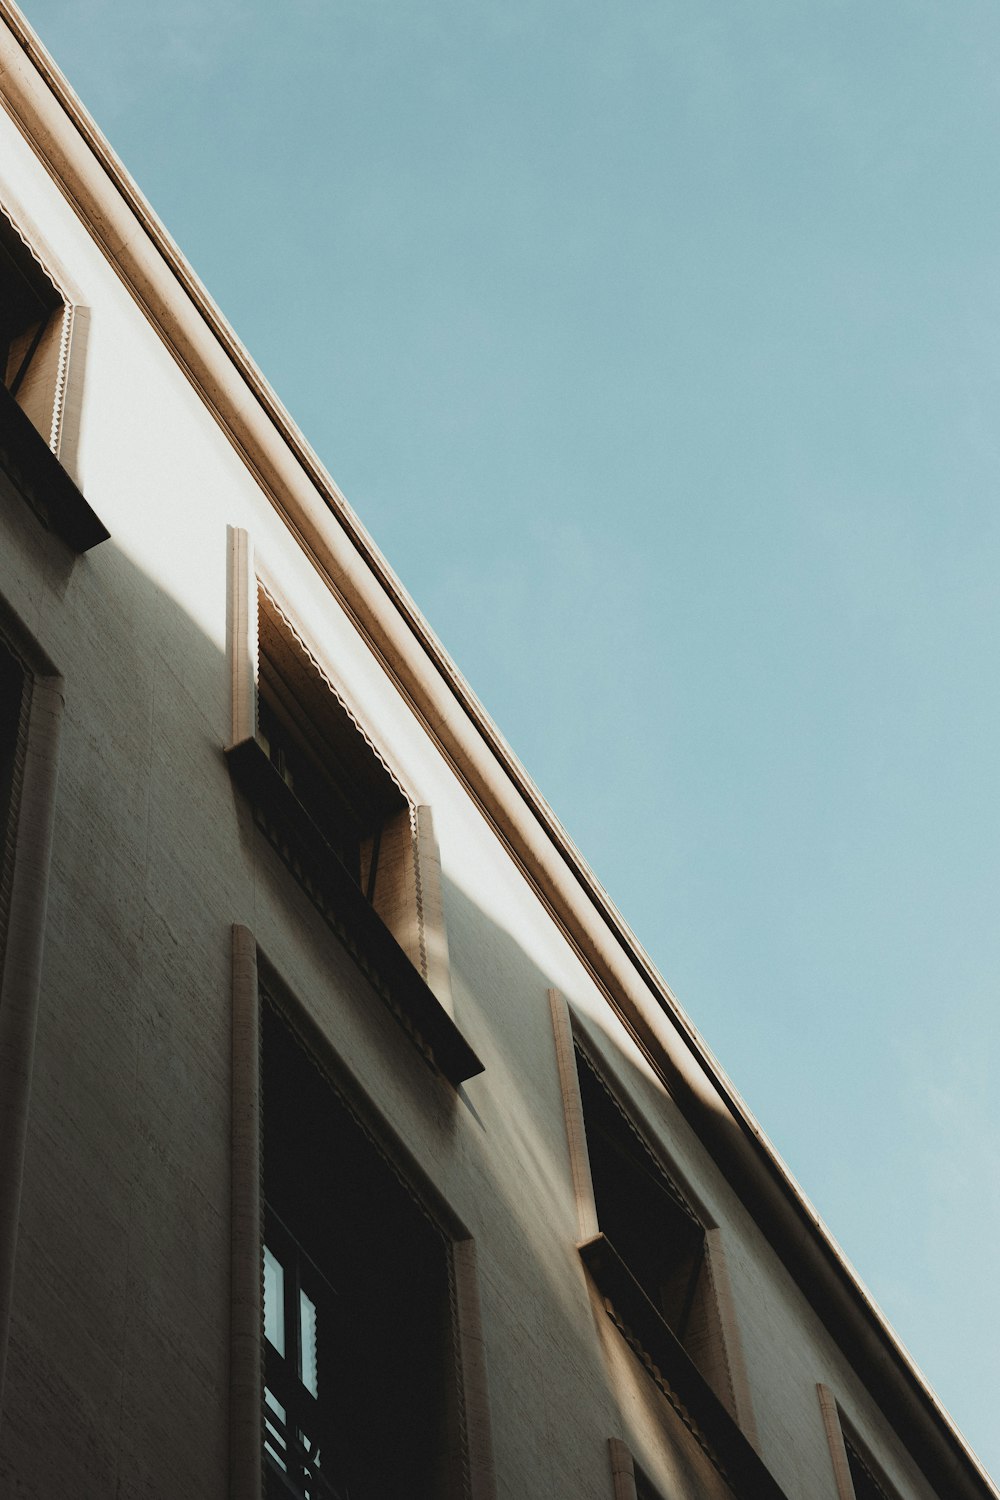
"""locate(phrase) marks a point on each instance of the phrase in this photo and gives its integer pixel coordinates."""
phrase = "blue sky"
(658, 346)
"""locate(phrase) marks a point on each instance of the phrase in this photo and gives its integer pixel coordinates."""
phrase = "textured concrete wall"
(119, 1358)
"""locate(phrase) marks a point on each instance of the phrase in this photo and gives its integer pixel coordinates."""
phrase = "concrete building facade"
(349, 1144)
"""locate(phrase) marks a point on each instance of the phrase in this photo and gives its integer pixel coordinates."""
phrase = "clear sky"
(658, 345)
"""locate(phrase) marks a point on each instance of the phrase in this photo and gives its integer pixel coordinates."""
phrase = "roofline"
(78, 157)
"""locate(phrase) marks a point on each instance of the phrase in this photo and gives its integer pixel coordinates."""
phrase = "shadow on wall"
(123, 1269)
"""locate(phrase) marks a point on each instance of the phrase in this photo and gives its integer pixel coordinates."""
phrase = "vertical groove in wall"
(8, 834)
(835, 1438)
(20, 983)
(622, 1470)
(472, 1373)
(246, 1314)
(576, 1135)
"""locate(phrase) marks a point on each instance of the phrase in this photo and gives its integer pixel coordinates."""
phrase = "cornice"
(149, 263)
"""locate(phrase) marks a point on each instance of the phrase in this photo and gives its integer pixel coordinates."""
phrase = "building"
(349, 1147)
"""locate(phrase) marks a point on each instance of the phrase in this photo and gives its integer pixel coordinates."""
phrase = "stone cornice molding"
(89, 174)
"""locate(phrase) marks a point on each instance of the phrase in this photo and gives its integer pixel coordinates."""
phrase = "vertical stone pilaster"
(20, 983)
(246, 1288)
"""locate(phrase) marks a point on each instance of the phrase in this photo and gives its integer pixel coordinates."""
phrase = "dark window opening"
(866, 1485)
(28, 305)
(358, 1400)
(644, 1216)
(321, 754)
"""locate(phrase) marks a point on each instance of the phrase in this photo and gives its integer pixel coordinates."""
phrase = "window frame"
(26, 841)
(284, 1381)
(38, 439)
(251, 973)
(727, 1436)
(403, 952)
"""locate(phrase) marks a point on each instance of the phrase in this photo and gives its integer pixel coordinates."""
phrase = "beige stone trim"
(242, 629)
(576, 1134)
(835, 1438)
(397, 887)
(430, 902)
(731, 1339)
(622, 1470)
(246, 1291)
(20, 984)
(480, 1476)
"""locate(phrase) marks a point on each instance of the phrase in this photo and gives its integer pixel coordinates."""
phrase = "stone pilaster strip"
(622, 1470)
(242, 635)
(20, 984)
(475, 1398)
(246, 1306)
(576, 1135)
(835, 1438)
(431, 909)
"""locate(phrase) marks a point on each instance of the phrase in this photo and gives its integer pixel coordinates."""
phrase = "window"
(867, 1486)
(35, 325)
(649, 1261)
(300, 1312)
(649, 1223)
(325, 760)
(31, 700)
(857, 1474)
(359, 1398)
(32, 318)
(327, 802)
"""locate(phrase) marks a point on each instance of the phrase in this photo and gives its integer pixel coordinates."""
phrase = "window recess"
(867, 1484)
(31, 699)
(649, 1262)
(329, 805)
(359, 1389)
(35, 326)
(858, 1475)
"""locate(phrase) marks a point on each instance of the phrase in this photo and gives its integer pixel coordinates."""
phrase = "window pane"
(307, 1326)
(274, 1302)
(274, 1439)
